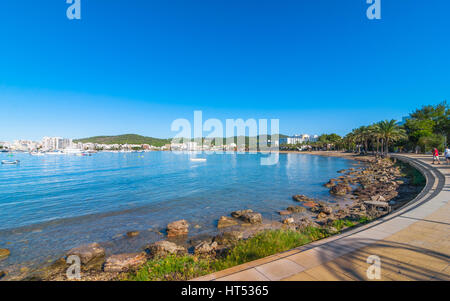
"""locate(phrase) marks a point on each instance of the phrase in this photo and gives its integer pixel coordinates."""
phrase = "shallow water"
(52, 203)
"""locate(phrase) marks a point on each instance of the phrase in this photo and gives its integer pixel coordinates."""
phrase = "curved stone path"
(412, 243)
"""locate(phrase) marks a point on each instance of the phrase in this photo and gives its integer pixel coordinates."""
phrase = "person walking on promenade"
(436, 156)
(447, 155)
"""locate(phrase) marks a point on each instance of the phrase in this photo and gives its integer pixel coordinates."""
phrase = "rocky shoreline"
(371, 191)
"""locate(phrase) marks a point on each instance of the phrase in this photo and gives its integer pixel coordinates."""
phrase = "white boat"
(198, 159)
(10, 162)
(54, 153)
(37, 154)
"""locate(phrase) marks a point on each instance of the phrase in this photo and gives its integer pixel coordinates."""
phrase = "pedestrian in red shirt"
(436, 156)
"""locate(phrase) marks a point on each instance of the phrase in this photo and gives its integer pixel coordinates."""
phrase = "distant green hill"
(125, 139)
(138, 139)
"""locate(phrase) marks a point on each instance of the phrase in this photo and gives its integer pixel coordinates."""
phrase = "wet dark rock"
(301, 198)
(239, 213)
(178, 228)
(226, 221)
(124, 262)
(2, 274)
(296, 209)
(330, 183)
(132, 233)
(340, 189)
(163, 248)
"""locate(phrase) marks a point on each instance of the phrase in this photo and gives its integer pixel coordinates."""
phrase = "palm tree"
(389, 131)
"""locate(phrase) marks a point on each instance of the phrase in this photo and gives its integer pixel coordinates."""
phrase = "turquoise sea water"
(52, 203)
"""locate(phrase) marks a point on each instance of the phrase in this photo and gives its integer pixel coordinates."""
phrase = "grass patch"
(364, 220)
(261, 245)
(414, 176)
(340, 224)
(267, 243)
(172, 268)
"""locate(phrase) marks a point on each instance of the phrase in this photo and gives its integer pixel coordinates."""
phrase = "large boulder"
(301, 198)
(164, 248)
(91, 255)
(124, 262)
(252, 218)
(239, 213)
(226, 221)
(4, 253)
(177, 228)
(205, 248)
(340, 189)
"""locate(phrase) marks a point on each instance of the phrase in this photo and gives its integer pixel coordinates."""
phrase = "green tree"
(390, 132)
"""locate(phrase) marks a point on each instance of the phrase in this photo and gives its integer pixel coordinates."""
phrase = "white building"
(299, 139)
(56, 143)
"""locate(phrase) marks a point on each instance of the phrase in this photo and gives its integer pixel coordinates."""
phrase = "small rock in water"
(239, 213)
(340, 189)
(197, 226)
(226, 221)
(4, 253)
(310, 204)
(132, 233)
(164, 247)
(177, 228)
(124, 262)
(284, 212)
(301, 198)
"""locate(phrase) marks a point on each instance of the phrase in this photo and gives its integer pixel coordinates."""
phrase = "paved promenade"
(412, 243)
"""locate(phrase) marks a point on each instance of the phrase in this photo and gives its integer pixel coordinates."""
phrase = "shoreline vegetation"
(375, 188)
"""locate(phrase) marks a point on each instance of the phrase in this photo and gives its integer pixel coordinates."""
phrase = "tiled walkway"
(412, 243)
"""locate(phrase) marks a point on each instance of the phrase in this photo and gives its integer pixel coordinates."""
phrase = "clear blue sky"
(134, 66)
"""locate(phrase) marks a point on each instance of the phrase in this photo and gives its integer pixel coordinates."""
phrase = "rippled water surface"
(52, 203)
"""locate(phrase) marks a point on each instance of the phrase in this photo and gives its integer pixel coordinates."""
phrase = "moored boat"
(6, 162)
